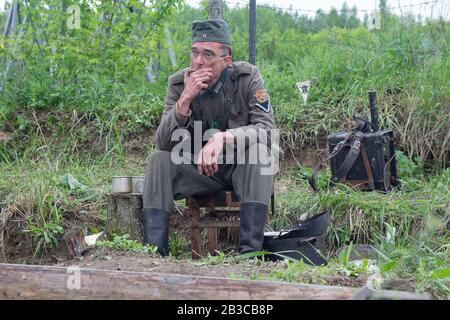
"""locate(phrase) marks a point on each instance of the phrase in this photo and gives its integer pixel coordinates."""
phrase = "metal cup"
(137, 184)
(121, 185)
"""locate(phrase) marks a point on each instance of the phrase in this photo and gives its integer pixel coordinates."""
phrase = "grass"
(409, 227)
(124, 243)
(55, 170)
(424, 267)
(47, 195)
(47, 189)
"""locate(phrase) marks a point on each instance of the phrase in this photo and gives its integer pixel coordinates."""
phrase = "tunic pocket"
(238, 115)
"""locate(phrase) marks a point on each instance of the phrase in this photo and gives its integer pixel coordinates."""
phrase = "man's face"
(209, 55)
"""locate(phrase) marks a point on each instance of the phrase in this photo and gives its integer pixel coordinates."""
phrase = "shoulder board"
(177, 77)
(241, 68)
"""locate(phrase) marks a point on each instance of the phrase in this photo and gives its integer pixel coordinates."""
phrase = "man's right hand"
(194, 82)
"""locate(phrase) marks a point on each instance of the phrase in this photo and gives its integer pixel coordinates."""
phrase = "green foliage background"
(99, 69)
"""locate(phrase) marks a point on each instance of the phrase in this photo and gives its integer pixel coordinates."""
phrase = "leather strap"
(370, 182)
(272, 203)
(346, 165)
(337, 148)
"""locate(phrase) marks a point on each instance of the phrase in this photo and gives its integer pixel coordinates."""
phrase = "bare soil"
(5, 136)
(308, 155)
(101, 258)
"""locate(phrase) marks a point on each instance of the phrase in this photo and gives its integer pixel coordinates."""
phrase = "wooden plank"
(212, 240)
(207, 222)
(196, 239)
(367, 293)
(220, 199)
(48, 282)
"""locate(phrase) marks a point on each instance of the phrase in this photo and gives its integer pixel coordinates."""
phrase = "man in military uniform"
(231, 99)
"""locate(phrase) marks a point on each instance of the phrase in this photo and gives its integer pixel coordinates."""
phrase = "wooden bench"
(222, 210)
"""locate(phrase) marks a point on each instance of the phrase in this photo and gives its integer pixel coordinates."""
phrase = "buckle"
(337, 146)
(356, 145)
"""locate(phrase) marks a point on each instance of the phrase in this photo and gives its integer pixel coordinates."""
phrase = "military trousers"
(166, 181)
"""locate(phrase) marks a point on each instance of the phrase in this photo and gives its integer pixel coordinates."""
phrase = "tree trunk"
(252, 32)
(124, 215)
(215, 9)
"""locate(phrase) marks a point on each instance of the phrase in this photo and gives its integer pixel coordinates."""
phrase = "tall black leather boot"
(155, 224)
(251, 226)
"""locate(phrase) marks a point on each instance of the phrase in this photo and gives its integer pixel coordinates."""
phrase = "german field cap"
(215, 30)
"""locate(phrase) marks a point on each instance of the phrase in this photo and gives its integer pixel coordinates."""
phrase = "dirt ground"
(108, 259)
(101, 258)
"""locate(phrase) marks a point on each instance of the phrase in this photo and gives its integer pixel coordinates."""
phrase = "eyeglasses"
(207, 55)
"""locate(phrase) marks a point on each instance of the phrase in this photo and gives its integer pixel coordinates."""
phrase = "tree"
(344, 15)
(333, 18)
(352, 20)
(383, 7)
(215, 9)
(319, 21)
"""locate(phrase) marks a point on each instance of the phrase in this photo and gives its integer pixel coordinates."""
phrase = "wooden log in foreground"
(48, 282)
(366, 293)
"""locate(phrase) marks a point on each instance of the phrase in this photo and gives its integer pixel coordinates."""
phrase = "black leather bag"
(365, 160)
(296, 248)
(302, 241)
(364, 157)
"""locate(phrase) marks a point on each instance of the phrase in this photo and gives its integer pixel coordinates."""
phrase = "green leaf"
(70, 181)
(440, 274)
(388, 266)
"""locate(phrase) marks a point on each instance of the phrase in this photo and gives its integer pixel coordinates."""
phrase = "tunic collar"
(214, 91)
